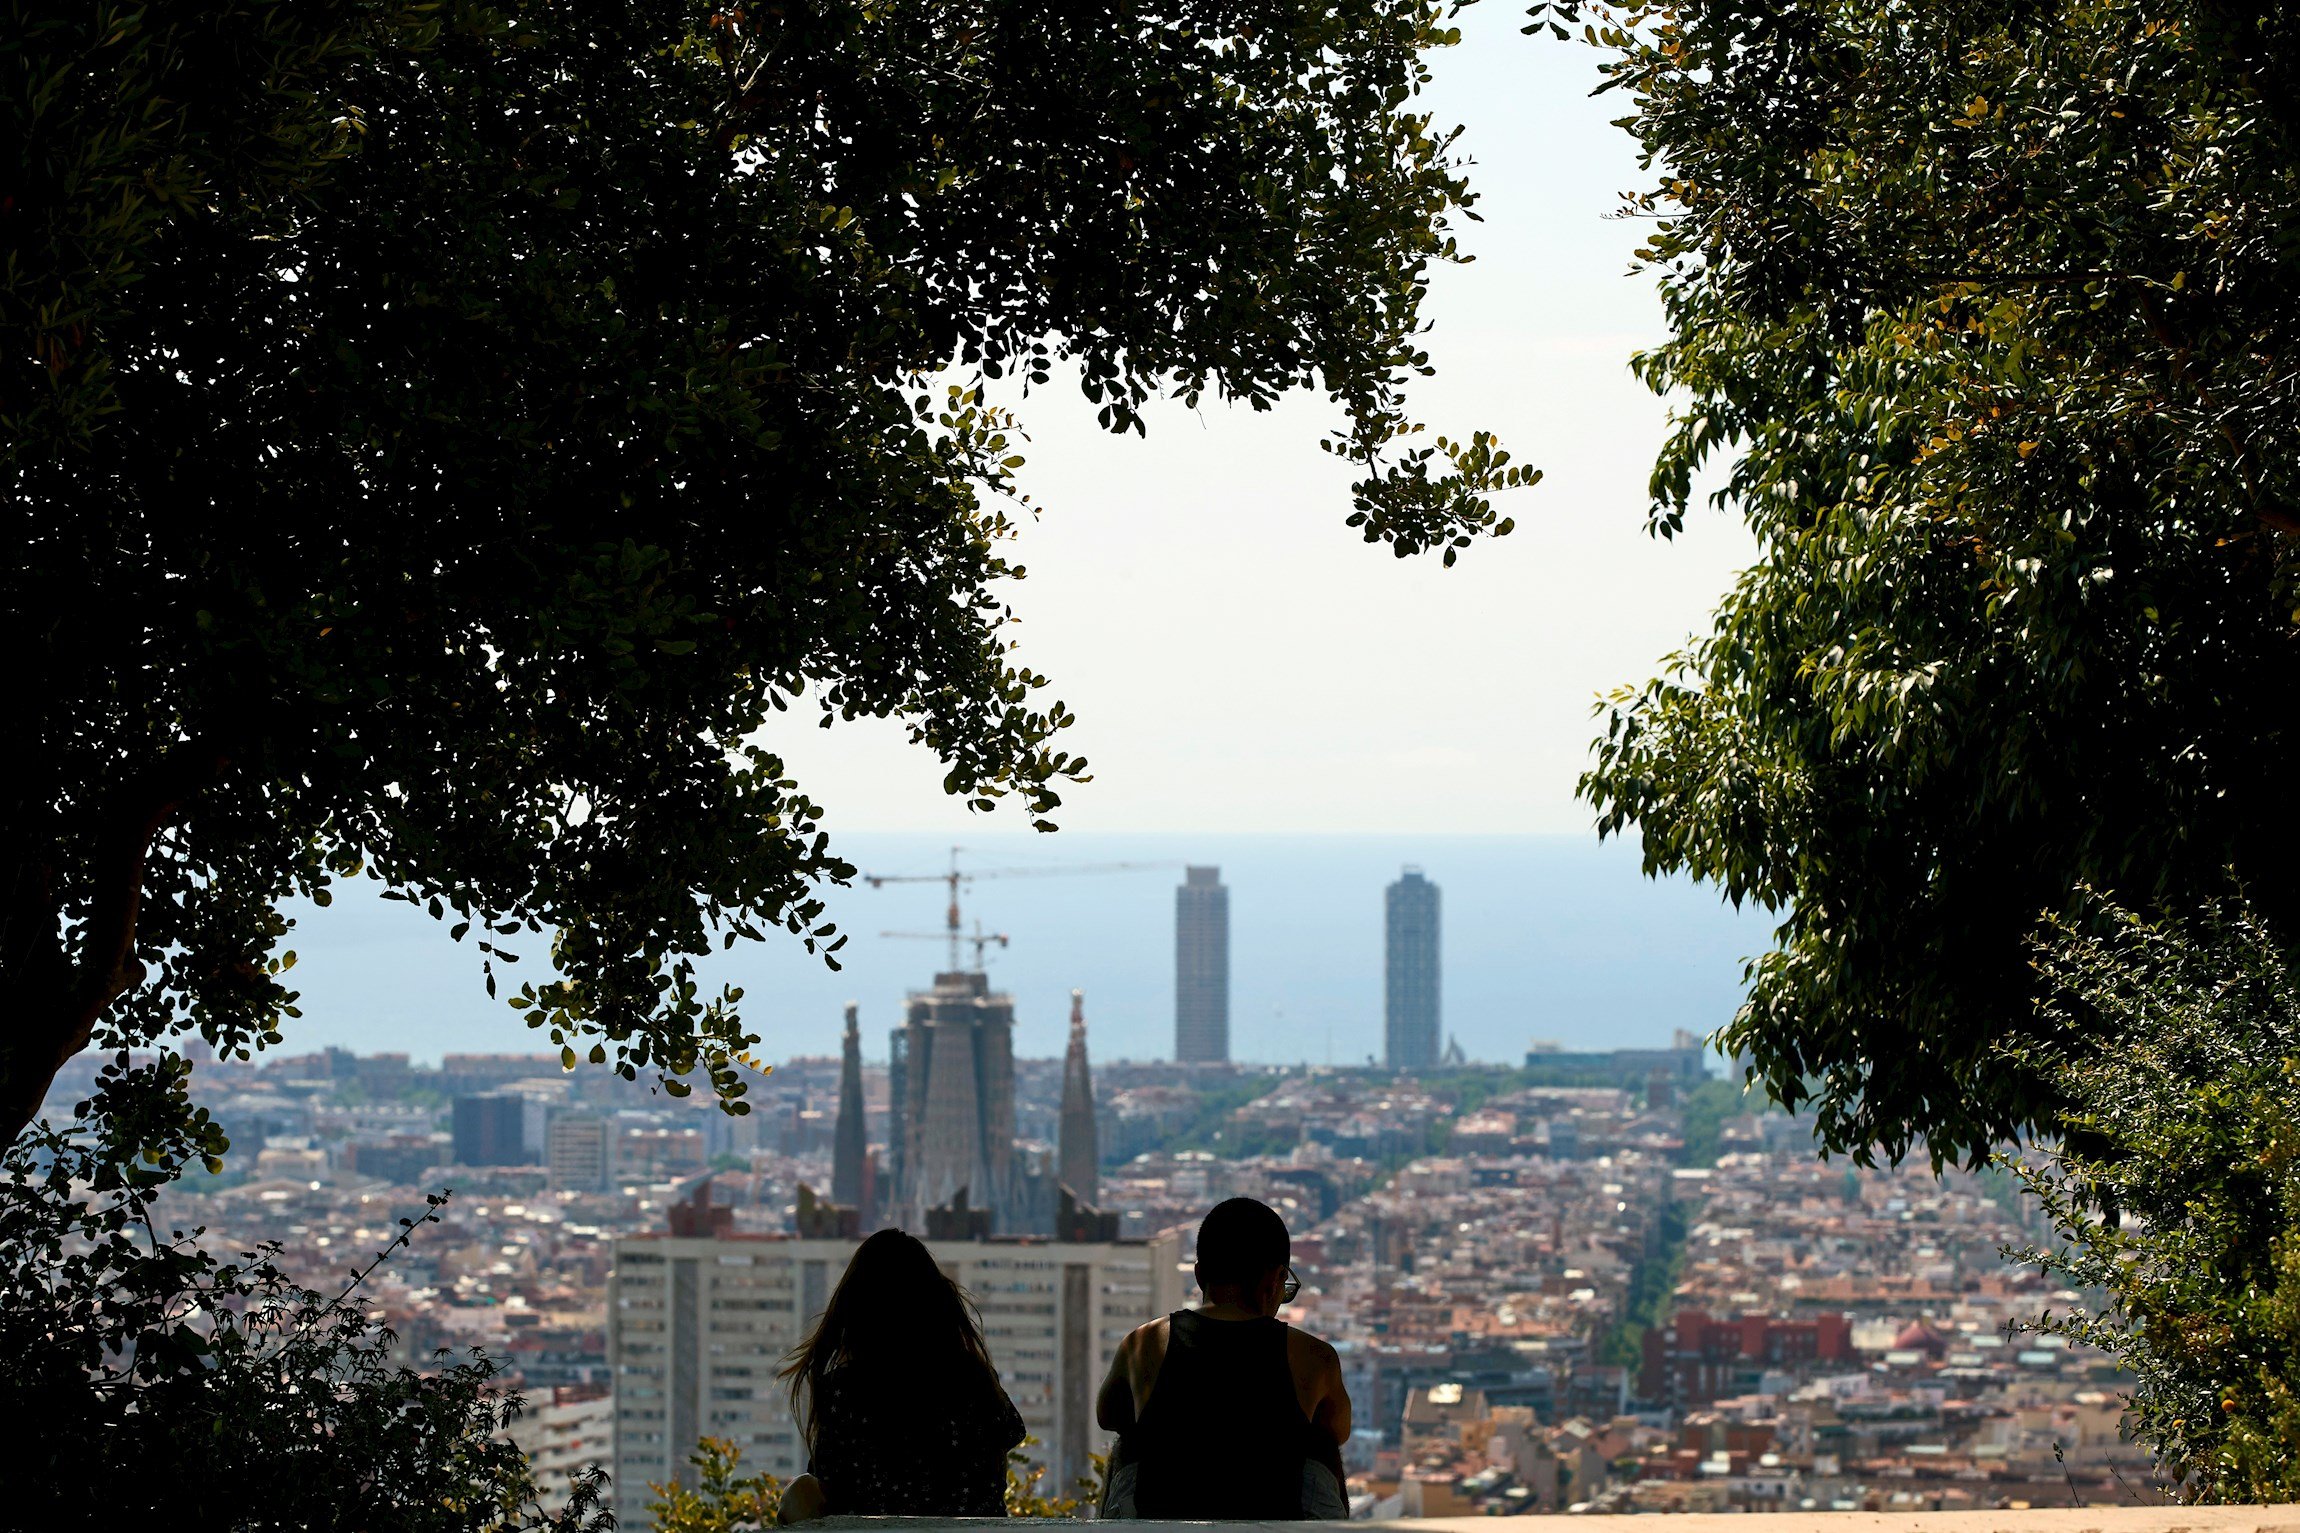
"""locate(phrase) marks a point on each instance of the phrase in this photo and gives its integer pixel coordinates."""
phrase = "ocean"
(1545, 937)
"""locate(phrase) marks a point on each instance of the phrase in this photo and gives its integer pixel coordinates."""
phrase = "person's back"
(1227, 1413)
(904, 1414)
(888, 1446)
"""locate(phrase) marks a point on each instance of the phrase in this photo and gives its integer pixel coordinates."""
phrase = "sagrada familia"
(953, 1170)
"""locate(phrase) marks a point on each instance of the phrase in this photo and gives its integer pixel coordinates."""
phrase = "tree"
(134, 121)
(465, 494)
(2177, 1190)
(146, 1381)
(1980, 314)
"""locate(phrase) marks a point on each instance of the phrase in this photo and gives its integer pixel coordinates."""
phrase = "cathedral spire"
(1078, 1160)
(849, 1186)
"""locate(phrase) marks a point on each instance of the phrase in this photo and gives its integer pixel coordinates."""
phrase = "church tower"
(1078, 1160)
(952, 1087)
(851, 1146)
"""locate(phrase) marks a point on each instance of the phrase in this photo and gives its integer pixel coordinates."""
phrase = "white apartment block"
(564, 1432)
(579, 1150)
(698, 1326)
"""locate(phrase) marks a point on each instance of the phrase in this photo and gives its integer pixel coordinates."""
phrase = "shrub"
(2175, 1184)
(144, 1379)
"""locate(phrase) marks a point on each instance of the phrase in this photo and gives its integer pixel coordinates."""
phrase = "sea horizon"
(1549, 937)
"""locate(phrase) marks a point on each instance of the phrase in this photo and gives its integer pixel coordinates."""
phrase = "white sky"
(1240, 661)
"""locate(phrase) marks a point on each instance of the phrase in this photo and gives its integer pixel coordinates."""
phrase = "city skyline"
(1480, 1245)
(1547, 937)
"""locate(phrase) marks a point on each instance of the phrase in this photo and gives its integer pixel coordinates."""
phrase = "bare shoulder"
(1147, 1340)
(1312, 1352)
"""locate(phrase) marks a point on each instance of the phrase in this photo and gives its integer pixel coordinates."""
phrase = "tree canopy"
(1981, 317)
(445, 444)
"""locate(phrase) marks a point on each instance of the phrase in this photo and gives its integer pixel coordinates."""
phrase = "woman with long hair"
(902, 1411)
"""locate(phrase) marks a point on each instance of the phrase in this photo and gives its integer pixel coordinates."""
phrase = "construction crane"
(954, 931)
(981, 939)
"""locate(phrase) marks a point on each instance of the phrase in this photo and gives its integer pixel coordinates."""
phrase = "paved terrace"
(2105, 1519)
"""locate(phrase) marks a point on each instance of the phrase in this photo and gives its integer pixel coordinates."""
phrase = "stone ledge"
(2064, 1519)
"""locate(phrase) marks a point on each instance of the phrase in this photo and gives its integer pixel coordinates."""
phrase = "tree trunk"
(58, 995)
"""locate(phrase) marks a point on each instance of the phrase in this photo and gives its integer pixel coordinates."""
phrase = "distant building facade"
(568, 1430)
(951, 1104)
(491, 1130)
(698, 1326)
(1202, 968)
(405, 1160)
(579, 1152)
(1683, 1065)
(1695, 1358)
(645, 1154)
(1410, 973)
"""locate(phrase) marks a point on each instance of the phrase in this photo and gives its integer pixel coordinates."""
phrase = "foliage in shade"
(146, 1382)
(721, 1500)
(1981, 318)
(461, 436)
(1024, 1498)
(2177, 1189)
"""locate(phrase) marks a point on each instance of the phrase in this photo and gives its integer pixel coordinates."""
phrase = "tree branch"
(59, 1017)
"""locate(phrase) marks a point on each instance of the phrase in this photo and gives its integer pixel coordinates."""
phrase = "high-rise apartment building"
(1410, 973)
(1201, 967)
(563, 1432)
(491, 1130)
(697, 1326)
(579, 1150)
(950, 1118)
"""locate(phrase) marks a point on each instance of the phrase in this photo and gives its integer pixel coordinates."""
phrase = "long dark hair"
(894, 1309)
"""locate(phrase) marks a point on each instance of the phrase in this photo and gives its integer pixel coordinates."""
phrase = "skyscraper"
(851, 1138)
(951, 1117)
(1410, 973)
(1201, 967)
(1077, 1160)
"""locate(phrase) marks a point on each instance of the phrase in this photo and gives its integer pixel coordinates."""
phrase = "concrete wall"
(2108, 1519)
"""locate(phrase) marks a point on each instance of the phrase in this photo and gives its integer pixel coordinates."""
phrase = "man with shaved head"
(1225, 1412)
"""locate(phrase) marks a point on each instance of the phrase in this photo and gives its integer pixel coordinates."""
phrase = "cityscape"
(1591, 699)
(1583, 1281)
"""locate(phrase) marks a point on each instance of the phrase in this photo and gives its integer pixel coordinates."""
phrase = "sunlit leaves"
(1978, 315)
(2174, 1187)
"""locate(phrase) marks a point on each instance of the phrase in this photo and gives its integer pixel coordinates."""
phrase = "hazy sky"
(1240, 661)
(1246, 670)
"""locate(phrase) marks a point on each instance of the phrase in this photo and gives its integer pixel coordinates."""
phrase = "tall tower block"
(1078, 1158)
(849, 1186)
(1202, 967)
(1410, 973)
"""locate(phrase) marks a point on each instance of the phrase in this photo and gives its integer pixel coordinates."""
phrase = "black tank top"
(1223, 1437)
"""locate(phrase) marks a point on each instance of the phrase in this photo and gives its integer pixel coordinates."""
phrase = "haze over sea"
(1553, 937)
